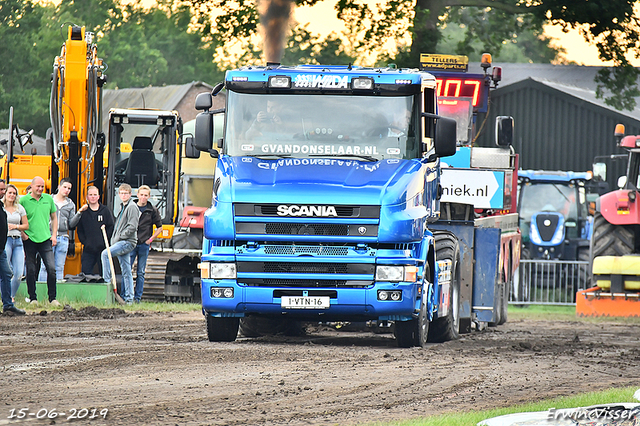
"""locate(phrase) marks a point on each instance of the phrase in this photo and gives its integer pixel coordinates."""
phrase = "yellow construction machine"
(142, 146)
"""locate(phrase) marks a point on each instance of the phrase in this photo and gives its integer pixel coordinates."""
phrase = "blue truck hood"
(319, 180)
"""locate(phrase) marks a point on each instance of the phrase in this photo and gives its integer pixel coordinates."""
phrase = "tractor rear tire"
(611, 240)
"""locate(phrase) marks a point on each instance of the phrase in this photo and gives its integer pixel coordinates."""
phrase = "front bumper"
(346, 304)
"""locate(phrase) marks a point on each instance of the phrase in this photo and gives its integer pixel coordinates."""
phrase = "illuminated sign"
(444, 62)
(464, 86)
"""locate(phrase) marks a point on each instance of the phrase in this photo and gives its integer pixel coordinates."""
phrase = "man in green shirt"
(42, 233)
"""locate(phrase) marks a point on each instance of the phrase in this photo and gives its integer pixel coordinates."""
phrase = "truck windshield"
(302, 126)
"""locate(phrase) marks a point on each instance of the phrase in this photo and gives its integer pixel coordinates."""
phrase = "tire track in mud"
(159, 368)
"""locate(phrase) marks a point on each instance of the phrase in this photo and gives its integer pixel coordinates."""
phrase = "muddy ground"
(159, 369)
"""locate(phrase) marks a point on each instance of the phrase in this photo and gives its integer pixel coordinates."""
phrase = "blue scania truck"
(327, 181)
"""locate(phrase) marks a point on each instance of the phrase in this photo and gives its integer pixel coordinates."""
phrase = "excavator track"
(154, 281)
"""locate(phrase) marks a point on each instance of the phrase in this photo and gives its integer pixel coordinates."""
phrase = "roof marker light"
(280, 82)
(362, 83)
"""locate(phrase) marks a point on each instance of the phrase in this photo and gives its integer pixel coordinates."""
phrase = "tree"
(163, 45)
(612, 26)
(24, 75)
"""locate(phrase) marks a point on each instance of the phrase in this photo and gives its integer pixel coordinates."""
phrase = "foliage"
(304, 47)
(142, 47)
(486, 25)
(24, 75)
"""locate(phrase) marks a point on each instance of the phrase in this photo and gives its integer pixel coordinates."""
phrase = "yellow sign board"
(444, 62)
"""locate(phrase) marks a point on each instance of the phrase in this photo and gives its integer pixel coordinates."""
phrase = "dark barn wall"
(554, 130)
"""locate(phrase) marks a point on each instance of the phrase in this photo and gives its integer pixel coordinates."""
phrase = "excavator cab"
(143, 150)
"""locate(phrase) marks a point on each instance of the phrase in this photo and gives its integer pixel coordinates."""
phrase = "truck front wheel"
(414, 332)
(223, 329)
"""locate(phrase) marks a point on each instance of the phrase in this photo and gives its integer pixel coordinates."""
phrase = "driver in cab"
(268, 121)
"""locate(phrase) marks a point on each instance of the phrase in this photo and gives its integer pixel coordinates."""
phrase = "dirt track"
(159, 368)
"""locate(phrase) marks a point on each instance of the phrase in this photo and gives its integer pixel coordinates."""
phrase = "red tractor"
(616, 235)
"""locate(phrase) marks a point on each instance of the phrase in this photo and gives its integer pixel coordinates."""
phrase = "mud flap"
(485, 274)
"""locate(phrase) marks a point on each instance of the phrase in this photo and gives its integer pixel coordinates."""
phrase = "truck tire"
(521, 281)
(505, 303)
(448, 327)
(611, 240)
(415, 332)
(223, 329)
(256, 326)
(497, 302)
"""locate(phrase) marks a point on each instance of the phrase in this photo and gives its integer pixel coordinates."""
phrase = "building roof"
(163, 98)
(574, 80)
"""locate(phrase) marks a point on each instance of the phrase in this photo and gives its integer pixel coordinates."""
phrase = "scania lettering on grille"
(294, 210)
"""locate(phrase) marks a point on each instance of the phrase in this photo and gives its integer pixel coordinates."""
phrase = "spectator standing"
(42, 237)
(124, 240)
(17, 223)
(66, 221)
(90, 218)
(149, 216)
(5, 268)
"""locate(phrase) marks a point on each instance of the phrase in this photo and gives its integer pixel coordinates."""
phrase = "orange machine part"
(593, 302)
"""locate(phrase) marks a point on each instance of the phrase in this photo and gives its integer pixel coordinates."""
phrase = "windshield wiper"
(263, 156)
(364, 157)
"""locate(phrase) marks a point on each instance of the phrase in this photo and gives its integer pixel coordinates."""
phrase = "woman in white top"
(16, 223)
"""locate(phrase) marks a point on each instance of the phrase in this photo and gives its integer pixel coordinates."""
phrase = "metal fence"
(548, 282)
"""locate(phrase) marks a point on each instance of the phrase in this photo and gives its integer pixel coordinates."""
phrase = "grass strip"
(612, 395)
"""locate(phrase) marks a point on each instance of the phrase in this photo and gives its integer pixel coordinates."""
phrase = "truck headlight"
(216, 270)
(396, 273)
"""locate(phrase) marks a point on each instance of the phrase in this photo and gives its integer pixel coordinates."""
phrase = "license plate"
(305, 302)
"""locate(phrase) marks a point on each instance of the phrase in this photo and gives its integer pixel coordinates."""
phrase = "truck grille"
(315, 250)
(306, 268)
(271, 210)
(288, 228)
(268, 282)
(303, 229)
(323, 272)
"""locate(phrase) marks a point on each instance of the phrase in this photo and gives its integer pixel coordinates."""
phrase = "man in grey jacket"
(124, 240)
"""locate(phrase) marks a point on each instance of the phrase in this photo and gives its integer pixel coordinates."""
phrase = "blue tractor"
(554, 216)
(556, 230)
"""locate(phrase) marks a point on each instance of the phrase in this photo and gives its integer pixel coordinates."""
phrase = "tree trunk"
(425, 28)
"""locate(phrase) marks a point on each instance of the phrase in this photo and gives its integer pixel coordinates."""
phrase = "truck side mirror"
(190, 150)
(504, 130)
(204, 131)
(445, 141)
(204, 102)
